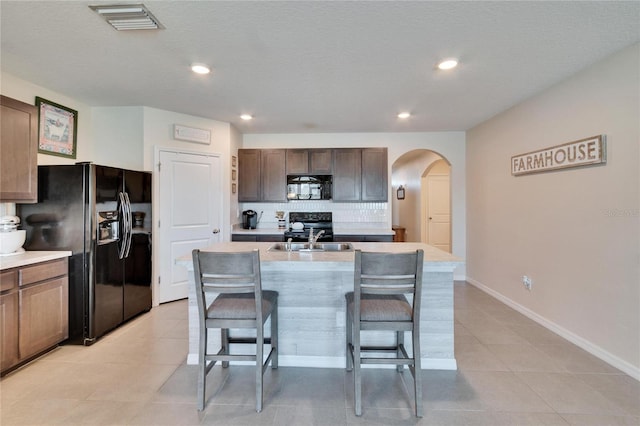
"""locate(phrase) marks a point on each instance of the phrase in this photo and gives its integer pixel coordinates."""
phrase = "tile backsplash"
(364, 214)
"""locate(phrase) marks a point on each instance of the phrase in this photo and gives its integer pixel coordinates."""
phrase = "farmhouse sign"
(592, 150)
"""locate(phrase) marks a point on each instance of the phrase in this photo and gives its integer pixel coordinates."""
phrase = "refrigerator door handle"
(129, 222)
(123, 218)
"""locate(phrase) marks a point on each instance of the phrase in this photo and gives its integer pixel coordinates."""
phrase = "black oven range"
(301, 224)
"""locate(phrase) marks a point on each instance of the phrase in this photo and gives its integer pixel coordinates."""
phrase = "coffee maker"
(249, 219)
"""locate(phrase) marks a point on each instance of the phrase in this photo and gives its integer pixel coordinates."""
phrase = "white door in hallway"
(439, 212)
(190, 193)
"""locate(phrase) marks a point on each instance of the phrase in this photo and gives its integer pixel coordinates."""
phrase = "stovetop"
(316, 220)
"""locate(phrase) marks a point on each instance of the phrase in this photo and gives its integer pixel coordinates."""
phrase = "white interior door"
(190, 206)
(439, 212)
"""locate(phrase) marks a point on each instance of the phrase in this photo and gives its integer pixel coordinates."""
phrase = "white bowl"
(11, 241)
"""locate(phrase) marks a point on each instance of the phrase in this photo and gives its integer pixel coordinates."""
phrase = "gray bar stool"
(379, 302)
(241, 303)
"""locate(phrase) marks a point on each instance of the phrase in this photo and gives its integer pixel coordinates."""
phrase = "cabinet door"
(320, 161)
(374, 174)
(297, 161)
(274, 177)
(347, 174)
(8, 330)
(249, 175)
(18, 151)
(44, 316)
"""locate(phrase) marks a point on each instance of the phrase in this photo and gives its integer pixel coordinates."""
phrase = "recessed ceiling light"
(200, 69)
(246, 116)
(404, 115)
(448, 64)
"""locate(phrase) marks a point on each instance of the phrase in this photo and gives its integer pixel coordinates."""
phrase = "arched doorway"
(417, 170)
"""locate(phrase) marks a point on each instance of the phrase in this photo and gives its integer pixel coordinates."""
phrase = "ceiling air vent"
(128, 17)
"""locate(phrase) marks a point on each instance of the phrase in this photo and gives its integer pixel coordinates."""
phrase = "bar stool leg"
(349, 338)
(274, 336)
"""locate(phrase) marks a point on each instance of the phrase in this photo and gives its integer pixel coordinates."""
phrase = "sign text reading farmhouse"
(573, 154)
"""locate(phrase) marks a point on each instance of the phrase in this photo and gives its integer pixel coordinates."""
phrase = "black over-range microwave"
(309, 187)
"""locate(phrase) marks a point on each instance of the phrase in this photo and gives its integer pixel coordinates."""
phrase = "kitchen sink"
(311, 247)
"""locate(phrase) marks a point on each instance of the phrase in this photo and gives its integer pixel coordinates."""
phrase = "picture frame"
(234, 161)
(233, 175)
(233, 188)
(57, 129)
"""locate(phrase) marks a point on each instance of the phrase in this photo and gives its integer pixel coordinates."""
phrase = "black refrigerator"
(103, 216)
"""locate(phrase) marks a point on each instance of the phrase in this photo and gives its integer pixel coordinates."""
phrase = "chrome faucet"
(314, 238)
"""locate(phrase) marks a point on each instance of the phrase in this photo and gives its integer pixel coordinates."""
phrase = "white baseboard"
(588, 346)
(338, 362)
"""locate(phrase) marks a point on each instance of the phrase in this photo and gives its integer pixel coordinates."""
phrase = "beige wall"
(575, 232)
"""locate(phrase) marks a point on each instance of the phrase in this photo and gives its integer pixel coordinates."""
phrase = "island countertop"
(432, 255)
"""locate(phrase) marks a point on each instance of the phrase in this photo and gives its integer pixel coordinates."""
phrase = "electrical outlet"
(527, 282)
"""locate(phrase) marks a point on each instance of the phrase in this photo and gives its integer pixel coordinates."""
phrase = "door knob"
(216, 231)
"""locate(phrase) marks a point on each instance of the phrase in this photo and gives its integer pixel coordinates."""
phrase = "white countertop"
(29, 258)
(337, 230)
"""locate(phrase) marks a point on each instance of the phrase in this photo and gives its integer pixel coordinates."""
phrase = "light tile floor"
(511, 372)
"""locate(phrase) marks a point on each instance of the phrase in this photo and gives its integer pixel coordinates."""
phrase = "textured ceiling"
(316, 66)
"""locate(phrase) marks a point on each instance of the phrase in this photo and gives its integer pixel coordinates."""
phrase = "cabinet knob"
(216, 231)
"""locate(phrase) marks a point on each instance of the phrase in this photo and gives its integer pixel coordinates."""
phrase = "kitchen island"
(311, 303)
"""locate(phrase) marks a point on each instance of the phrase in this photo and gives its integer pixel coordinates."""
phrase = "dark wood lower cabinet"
(276, 238)
(34, 311)
(363, 238)
(8, 330)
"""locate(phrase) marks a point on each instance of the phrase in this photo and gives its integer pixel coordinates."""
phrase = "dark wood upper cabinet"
(297, 161)
(18, 151)
(359, 174)
(274, 177)
(347, 174)
(249, 174)
(309, 161)
(321, 161)
(374, 174)
(262, 175)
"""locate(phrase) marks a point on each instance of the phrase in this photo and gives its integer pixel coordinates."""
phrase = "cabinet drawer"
(270, 238)
(240, 237)
(43, 271)
(8, 279)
